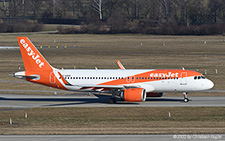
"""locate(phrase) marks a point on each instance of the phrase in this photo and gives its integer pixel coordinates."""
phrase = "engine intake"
(134, 95)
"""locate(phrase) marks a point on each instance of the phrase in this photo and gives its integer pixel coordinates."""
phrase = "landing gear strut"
(115, 92)
(112, 100)
(185, 97)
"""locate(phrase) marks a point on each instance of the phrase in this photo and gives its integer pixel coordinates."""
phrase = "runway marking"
(100, 105)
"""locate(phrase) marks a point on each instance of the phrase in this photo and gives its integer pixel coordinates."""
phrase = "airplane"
(132, 85)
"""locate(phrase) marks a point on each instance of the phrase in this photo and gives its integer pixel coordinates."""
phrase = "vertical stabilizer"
(32, 58)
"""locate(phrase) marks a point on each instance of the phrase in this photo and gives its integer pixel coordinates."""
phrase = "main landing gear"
(112, 100)
(115, 92)
(185, 97)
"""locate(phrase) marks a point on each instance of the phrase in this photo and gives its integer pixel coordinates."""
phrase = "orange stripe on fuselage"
(154, 75)
(63, 79)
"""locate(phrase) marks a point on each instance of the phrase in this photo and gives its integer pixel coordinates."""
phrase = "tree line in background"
(173, 17)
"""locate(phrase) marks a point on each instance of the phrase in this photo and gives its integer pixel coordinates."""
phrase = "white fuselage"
(151, 84)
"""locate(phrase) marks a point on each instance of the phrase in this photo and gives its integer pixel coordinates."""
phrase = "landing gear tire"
(186, 100)
(185, 97)
(112, 101)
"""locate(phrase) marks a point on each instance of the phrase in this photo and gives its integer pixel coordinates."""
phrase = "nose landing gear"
(185, 97)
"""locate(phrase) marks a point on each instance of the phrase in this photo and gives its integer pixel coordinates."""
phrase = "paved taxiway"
(30, 101)
(205, 137)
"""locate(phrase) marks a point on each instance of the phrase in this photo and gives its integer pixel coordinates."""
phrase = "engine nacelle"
(134, 95)
(154, 94)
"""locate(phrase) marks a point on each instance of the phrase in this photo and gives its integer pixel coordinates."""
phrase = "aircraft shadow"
(100, 99)
(72, 100)
(165, 99)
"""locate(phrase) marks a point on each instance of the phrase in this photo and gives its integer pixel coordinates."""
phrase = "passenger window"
(199, 77)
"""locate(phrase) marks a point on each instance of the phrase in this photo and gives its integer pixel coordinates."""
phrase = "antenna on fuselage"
(183, 68)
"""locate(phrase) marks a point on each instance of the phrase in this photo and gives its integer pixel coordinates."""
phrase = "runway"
(31, 101)
(198, 137)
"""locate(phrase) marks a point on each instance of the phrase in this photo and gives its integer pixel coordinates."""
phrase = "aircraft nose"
(210, 84)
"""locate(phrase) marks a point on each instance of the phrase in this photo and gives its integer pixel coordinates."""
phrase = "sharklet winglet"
(120, 65)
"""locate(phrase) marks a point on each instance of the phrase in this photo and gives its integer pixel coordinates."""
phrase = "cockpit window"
(199, 77)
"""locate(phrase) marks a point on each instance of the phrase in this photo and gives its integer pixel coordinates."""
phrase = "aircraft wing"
(102, 86)
(110, 86)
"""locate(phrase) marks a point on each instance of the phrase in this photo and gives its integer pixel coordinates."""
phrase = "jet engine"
(134, 95)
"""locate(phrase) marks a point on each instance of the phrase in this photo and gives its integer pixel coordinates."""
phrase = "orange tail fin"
(32, 58)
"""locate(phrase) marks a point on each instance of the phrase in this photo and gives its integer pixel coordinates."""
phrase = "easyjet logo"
(31, 53)
(168, 74)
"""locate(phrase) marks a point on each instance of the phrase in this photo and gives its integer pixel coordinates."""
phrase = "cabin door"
(183, 79)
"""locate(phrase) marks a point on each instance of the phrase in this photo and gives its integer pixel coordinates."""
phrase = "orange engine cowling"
(154, 94)
(134, 95)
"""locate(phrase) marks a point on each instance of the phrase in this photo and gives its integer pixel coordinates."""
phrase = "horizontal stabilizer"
(22, 75)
